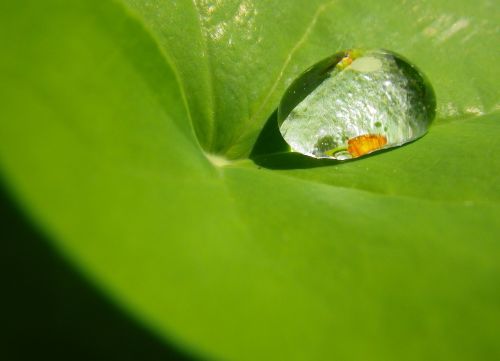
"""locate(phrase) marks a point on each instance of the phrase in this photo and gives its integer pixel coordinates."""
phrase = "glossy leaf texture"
(109, 109)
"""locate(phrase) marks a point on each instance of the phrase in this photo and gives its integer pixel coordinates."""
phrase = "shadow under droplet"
(270, 140)
(292, 160)
(271, 151)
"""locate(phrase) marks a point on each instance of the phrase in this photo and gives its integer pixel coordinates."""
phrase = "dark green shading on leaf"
(270, 140)
(49, 312)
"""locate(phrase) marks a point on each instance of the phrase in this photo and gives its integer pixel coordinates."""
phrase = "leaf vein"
(321, 9)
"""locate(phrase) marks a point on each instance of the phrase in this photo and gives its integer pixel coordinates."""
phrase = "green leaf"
(118, 120)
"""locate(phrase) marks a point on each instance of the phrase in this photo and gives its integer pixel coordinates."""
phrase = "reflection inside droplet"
(354, 103)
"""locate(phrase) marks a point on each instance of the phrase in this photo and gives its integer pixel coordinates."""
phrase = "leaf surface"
(109, 110)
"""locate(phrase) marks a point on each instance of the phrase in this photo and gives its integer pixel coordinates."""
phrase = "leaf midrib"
(169, 63)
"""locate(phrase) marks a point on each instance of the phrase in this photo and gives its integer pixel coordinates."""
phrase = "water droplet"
(354, 103)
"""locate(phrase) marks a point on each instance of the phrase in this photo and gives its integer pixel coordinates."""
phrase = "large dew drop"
(354, 103)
